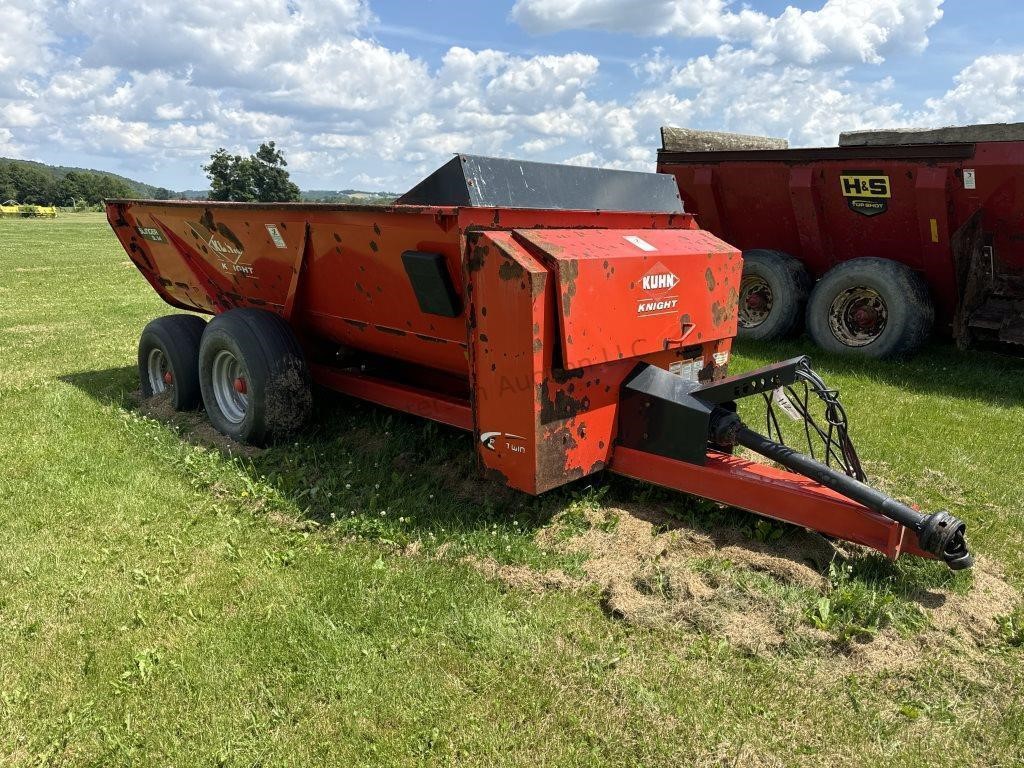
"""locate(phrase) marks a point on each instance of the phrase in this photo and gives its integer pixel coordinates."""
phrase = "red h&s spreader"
(575, 319)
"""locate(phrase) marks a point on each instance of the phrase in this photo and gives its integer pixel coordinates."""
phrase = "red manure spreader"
(574, 319)
(871, 242)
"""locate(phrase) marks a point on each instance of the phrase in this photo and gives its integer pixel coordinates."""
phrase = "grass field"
(167, 603)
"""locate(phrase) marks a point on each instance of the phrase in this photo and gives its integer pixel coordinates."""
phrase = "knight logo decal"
(511, 442)
(658, 284)
(222, 245)
(866, 192)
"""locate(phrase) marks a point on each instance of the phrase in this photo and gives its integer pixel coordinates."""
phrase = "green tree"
(257, 178)
(32, 186)
(105, 187)
(7, 189)
(90, 188)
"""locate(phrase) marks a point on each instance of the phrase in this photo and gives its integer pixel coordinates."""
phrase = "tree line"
(258, 177)
(28, 185)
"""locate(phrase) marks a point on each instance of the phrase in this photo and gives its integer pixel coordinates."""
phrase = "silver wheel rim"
(858, 316)
(157, 368)
(226, 372)
(756, 300)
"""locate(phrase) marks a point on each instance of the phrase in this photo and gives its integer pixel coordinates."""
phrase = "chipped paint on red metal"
(213, 256)
(623, 293)
(793, 201)
(543, 416)
(508, 322)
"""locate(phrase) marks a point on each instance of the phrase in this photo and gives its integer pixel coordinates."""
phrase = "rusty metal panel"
(624, 293)
(537, 426)
(353, 287)
(509, 321)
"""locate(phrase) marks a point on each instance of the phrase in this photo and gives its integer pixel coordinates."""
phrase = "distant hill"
(148, 191)
(341, 196)
(58, 172)
(354, 196)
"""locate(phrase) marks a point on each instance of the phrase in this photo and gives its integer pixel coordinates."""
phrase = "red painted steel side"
(214, 256)
(626, 293)
(770, 492)
(418, 402)
(792, 201)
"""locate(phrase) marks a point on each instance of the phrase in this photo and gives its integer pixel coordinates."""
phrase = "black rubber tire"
(277, 377)
(178, 337)
(790, 285)
(911, 312)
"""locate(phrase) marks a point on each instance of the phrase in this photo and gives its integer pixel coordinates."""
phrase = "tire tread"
(905, 291)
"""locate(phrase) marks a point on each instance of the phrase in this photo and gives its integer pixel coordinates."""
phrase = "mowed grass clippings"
(167, 603)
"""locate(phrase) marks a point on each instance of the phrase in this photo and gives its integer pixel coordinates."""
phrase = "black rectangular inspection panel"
(428, 273)
(497, 182)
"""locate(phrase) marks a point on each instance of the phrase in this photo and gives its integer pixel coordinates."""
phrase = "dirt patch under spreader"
(191, 425)
(653, 570)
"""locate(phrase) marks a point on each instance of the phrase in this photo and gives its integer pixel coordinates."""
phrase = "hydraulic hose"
(940, 533)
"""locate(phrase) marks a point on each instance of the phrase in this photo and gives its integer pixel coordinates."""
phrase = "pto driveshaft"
(940, 533)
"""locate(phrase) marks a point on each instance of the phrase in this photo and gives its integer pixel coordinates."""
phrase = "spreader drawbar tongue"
(940, 534)
(664, 415)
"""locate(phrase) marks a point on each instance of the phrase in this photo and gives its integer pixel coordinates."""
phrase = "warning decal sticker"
(275, 235)
(152, 234)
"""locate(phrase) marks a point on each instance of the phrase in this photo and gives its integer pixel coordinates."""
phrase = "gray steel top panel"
(494, 182)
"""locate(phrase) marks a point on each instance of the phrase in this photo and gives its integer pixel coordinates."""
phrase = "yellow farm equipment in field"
(11, 209)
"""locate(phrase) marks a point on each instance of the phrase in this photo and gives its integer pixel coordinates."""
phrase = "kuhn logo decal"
(659, 279)
(658, 282)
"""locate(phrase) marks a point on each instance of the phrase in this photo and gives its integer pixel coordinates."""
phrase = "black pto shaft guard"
(940, 534)
(943, 536)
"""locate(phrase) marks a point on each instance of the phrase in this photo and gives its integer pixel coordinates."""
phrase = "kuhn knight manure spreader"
(574, 319)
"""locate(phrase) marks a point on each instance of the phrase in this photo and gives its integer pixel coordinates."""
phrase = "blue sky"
(375, 93)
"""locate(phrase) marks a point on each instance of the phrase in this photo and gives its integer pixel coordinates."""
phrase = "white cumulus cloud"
(153, 88)
(992, 85)
(848, 30)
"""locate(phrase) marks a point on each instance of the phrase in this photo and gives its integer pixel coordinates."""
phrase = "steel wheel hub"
(756, 301)
(858, 316)
(230, 390)
(158, 371)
